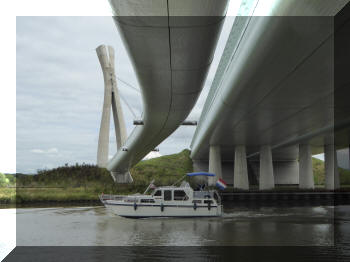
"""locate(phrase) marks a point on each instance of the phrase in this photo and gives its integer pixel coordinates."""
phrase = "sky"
(59, 90)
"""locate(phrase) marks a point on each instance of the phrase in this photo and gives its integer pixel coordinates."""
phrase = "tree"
(4, 181)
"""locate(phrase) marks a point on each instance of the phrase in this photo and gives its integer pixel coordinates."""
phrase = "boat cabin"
(173, 193)
(177, 194)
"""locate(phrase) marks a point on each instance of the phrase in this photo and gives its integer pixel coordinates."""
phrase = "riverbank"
(26, 195)
(49, 195)
(83, 183)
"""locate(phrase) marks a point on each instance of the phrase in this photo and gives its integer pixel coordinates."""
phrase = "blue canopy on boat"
(200, 174)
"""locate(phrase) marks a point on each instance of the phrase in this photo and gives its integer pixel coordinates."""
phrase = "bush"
(165, 170)
(4, 181)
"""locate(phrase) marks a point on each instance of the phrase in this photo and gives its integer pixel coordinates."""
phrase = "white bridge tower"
(111, 100)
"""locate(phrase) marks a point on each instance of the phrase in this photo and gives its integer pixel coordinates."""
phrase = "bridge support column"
(306, 178)
(240, 177)
(266, 177)
(111, 99)
(214, 164)
(331, 167)
(122, 178)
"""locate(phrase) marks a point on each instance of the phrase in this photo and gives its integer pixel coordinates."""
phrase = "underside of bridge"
(280, 94)
(171, 45)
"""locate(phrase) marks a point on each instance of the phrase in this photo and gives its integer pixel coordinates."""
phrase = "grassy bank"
(86, 182)
(7, 195)
(25, 195)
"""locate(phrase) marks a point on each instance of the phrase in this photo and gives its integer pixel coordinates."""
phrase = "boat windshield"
(157, 192)
(184, 184)
(200, 187)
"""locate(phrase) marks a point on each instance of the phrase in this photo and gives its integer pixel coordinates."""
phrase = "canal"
(320, 227)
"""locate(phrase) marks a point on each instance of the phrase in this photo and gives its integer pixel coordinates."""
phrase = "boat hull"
(159, 210)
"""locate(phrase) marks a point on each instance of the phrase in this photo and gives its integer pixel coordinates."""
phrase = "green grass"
(25, 195)
(165, 170)
(7, 195)
(319, 171)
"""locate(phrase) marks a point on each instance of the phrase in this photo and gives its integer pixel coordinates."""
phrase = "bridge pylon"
(111, 101)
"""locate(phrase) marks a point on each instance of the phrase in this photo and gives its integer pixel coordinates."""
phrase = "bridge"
(171, 45)
(278, 97)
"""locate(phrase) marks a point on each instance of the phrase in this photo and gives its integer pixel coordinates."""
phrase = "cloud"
(48, 151)
(151, 155)
(37, 151)
(52, 151)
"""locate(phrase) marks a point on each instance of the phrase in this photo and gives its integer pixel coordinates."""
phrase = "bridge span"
(278, 97)
(171, 44)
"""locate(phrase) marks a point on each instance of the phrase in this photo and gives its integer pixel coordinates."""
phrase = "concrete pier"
(214, 164)
(240, 178)
(103, 140)
(122, 178)
(306, 179)
(331, 167)
(266, 177)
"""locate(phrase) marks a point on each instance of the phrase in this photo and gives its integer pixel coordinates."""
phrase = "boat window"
(158, 193)
(180, 195)
(202, 194)
(167, 195)
(197, 201)
(208, 201)
(147, 200)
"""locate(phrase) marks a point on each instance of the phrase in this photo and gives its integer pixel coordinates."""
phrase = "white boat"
(166, 201)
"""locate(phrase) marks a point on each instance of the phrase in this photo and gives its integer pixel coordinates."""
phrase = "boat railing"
(104, 197)
(111, 197)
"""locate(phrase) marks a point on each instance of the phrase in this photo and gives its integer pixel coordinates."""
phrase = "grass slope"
(165, 169)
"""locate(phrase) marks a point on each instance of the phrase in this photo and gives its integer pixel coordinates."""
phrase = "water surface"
(239, 226)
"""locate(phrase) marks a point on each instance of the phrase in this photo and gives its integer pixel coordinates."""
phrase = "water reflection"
(81, 226)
